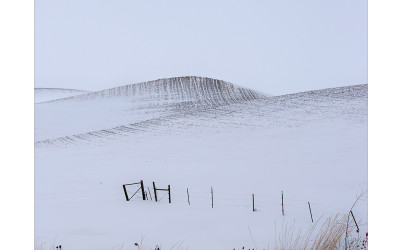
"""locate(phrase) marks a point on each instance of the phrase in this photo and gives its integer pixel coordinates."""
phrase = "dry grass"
(328, 236)
(334, 233)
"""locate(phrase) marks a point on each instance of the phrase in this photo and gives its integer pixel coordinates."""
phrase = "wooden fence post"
(212, 198)
(169, 193)
(126, 194)
(155, 191)
(358, 230)
(253, 203)
(141, 186)
(310, 212)
(187, 190)
(151, 198)
(283, 211)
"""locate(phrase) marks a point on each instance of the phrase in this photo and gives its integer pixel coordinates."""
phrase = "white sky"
(276, 47)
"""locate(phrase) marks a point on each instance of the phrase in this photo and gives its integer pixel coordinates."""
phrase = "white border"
(383, 123)
(16, 103)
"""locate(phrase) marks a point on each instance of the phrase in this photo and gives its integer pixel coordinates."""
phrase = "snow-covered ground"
(49, 94)
(196, 133)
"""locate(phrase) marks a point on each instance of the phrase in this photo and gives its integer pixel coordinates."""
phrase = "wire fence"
(263, 202)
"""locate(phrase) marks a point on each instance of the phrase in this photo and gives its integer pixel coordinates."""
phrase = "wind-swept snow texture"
(49, 94)
(196, 133)
(125, 108)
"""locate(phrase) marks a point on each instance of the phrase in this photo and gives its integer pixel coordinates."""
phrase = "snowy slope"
(169, 91)
(311, 145)
(49, 94)
(133, 104)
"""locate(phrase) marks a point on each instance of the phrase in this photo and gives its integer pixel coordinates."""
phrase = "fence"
(303, 207)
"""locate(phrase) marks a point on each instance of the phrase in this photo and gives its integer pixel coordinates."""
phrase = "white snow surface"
(195, 133)
(134, 104)
(50, 94)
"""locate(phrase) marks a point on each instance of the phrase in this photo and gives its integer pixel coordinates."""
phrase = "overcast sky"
(276, 46)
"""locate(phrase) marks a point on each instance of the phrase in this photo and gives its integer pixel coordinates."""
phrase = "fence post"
(310, 212)
(212, 198)
(187, 190)
(126, 194)
(169, 193)
(141, 186)
(283, 211)
(155, 191)
(253, 203)
(358, 230)
(151, 198)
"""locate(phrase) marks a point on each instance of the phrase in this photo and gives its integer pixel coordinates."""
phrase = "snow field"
(311, 145)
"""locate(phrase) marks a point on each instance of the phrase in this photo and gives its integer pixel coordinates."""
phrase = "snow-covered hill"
(196, 133)
(134, 103)
(168, 91)
(49, 94)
